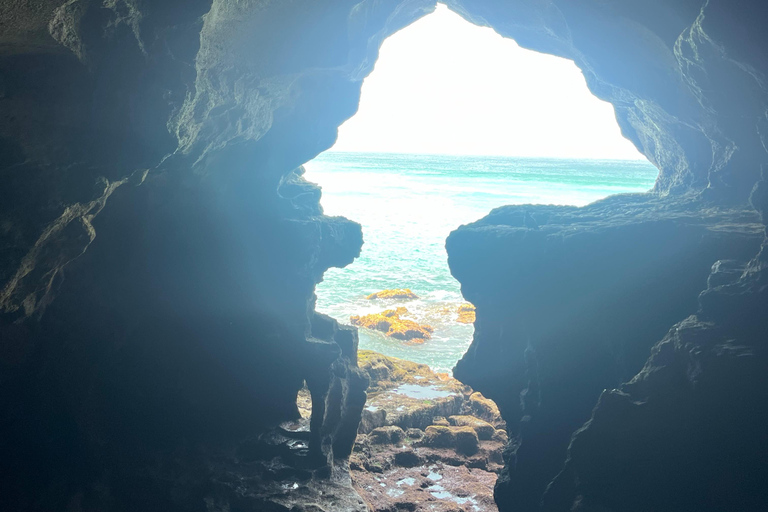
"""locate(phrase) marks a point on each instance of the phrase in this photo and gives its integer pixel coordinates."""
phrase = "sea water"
(407, 206)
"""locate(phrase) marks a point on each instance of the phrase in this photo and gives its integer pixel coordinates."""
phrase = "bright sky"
(445, 86)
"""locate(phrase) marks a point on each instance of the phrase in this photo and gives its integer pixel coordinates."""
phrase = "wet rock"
(397, 293)
(414, 433)
(386, 435)
(406, 394)
(485, 408)
(441, 421)
(462, 438)
(439, 436)
(467, 442)
(466, 314)
(392, 325)
(407, 459)
(500, 436)
(485, 430)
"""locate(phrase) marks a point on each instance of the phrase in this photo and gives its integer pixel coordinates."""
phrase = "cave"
(160, 250)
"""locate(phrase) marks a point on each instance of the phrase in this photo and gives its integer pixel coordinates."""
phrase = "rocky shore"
(395, 293)
(426, 441)
(393, 325)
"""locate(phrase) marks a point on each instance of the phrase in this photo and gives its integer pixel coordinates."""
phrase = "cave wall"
(160, 247)
(568, 311)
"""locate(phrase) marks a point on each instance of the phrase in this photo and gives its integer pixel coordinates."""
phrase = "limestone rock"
(440, 420)
(408, 459)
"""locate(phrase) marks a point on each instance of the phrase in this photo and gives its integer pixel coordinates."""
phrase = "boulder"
(414, 433)
(396, 293)
(407, 459)
(462, 439)
(386, 435)
(390, 323)
(484, 430)
(485, 408)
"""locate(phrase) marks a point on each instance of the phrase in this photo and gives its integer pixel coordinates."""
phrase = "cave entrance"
(454, 121)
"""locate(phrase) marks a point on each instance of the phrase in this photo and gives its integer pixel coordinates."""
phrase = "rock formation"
(159, 250)
(466, 314)
(396, 293)
(390, 323)
(424, 443)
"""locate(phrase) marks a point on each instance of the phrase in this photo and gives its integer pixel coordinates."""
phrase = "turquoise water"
(408, 204)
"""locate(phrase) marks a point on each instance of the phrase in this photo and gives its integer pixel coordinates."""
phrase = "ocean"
(408, 204)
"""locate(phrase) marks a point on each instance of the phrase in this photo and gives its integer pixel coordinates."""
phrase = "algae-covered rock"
(462, 439)
(484, 429)
(414, 433)
(440, 420)
(485, 408)
(407, 459)
(466, 440)
(390, 323)
(395, 293)
(411, 396)
(466, 313)
(387, 372)
(439, 436)
(500, 436)
(407, 394)
(386, 435)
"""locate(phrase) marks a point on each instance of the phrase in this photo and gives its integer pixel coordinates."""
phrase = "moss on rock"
(485, 408)
(462, 439)
(390, 323)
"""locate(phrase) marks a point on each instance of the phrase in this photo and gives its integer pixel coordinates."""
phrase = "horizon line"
(331, 150)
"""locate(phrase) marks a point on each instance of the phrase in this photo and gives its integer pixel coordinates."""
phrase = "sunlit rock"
(466, 314)
(160, 248)
(391, 324)
(398, 293)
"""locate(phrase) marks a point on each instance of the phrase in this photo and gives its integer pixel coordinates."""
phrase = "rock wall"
(159, 249)
(572, 301)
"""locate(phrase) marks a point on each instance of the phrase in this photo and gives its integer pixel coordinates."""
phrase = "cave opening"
(161, 251)
(453, 122)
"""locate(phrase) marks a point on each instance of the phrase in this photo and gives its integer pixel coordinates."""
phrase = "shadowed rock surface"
(159, 250)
